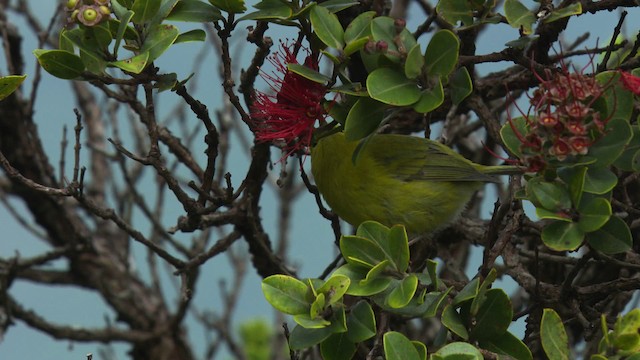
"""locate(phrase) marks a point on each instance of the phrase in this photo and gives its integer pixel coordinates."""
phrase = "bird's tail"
(503, 170)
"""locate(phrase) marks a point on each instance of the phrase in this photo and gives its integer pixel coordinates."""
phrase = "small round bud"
(399, 25)
(89, 15)
(72, 4)
(104, 10)
(370, 47)
(382, 46)
(74, 15)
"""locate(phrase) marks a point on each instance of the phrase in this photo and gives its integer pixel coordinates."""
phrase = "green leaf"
(460, 85)
(192, 35)
(308, 73)
(311, 322)
(619, 101)
(383, 29)
(553, 196)
(287, 294)
(60, 63)
(629, 160)
(507, 344)
(414, 63)
(159, 39)
(441, 56)
(594, 214)
(468, 292)
(327, 27)
(337, 347)
(364, 118)
(562, 236)
(574, 177)
(361, 251)
(270, 10)
(612, 238)
(359, 28)
(403, 293)
(547, 214)
(511, 132)
(626, 332)
(230, 6)
(375, 272)
(123, 25)
(397, 245)
(9, 84)
(335, 6)
(302, 338)
(421, 348)
(494, 315)
(398, 347)
(133, 65)
(607, 149)
(355, 46)
(358, 286)
(430, 99)
(459, 350)
(454, 11)
(361, 322)
(391, 87)
(553, 336)
(557, 14)
(519, 16)
(452, 321)
(599, 180)
(90, 54)
(194, 11)
(334, 288)
(144, 10)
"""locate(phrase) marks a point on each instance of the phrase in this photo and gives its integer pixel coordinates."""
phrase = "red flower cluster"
(630, 82)
(291, 113)
(563, 123)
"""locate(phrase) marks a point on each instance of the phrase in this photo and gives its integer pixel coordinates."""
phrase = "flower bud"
(399, 25)
(104, 10)
(72, 4)
(89, 15)
(370, 47)
(382, 46)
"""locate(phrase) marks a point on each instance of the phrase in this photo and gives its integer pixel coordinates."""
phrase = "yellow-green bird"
(397, 179)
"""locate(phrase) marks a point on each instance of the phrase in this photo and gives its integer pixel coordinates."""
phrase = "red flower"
(291, 113)
(580, 144)
(631, 82)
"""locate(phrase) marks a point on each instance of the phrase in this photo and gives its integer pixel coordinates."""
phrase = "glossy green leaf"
(133, 65)
(599, 180)
(308, 73)
(557, 14)
(465, 351)
(59, 63)
(287, 294)
(391, 87)
(398, 247)
(361, 322)
(430, 99)
(574, 177)
(355, 46)
(334, 288)
(360, 27)
(358, 286)
(626, 332)
(511, 132)
(542, 213)
(9, 84)
(194, 11)
(144, 10)
(166, 81)
(90, 54)
(553, 336)
(403, 293)
(327, 27)
(460, 85)
(552, 196)
(414, 62)
(311, 321)
(361, 251)
(270, 10)
(481, 297)
(494, 315)
(509, 345)
(562, 236)
(468, 292)
(160, 38)
(302, 338)
(364, 118)
(123, 25)
(594, 214)
(613, 238)
(607, 149)
(452, 321)
(441, 55)
(421, 348)
(337, 347)
(230, 6)
(619, 101)
(335, 6)
(519, 16)
(454, 11)
(629, 160)
(398, 347)
(192, 35)
(375, 272)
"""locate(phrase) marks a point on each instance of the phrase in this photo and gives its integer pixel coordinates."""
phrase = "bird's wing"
(410, 158)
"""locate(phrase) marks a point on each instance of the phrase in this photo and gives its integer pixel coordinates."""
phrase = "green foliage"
(553, 336)
(9, 84)
(257, 339)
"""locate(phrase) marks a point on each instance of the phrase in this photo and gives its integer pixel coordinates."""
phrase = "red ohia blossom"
(291, 113)
(630, 82)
